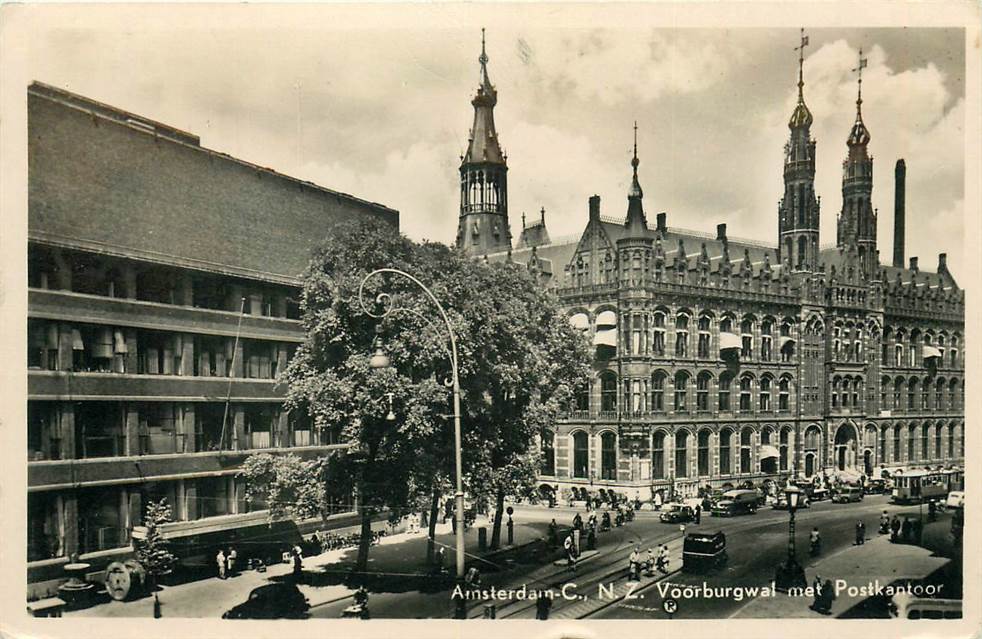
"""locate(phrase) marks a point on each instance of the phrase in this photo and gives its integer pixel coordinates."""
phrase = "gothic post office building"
(720, 361)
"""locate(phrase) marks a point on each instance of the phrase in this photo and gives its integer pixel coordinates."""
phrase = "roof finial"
(859, 82)
(523, 219)
(635, 186)
(483, 59)
(801, 64)
(542, 216)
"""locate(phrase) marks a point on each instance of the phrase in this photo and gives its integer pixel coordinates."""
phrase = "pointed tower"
(636, 243)
(857, 220)
(483, 225)
(798, 210)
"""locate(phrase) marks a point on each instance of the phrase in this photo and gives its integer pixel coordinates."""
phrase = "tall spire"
(801, 117)
(859, 136)
(483, 59)
(635, 185)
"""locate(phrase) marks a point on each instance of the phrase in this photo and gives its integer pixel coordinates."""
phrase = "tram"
(918, 486)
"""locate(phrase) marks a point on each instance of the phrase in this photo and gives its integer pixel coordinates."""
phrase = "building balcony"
(96, 309)
(57, 474)
(55, 385)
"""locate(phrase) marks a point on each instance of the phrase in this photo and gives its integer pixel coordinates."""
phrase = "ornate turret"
(857, 220)
(636, 222)
(483, 227)
(798, 210)
(636, 245)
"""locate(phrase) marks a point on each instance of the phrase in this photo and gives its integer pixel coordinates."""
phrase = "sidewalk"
(877, 560)
(323, 579)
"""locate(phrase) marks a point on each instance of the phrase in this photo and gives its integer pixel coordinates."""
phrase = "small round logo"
(670, 606)
(510, 511)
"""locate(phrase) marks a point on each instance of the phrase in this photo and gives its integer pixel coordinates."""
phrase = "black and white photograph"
(490, 312)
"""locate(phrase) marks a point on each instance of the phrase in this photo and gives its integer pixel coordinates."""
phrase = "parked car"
(781, 503)
(272, 601)
(956, 499)
(676, 513)
(736, 502)
(847, 494)
(876, 487)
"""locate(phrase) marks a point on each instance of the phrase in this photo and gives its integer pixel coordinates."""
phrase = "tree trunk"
(499, 505)
(434, 513)
(366, 540)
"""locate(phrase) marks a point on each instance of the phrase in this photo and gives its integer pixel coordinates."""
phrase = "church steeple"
(798, 210)
(483, 224)
(857, 220)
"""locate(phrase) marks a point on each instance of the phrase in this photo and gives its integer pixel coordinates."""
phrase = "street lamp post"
(790, 574)
(380, 360)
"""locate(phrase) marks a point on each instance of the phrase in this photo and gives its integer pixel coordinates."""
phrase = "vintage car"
(703, 551)
(272, 601)
(737, 502)
(676, 513)
(847, 494)
(781, 503)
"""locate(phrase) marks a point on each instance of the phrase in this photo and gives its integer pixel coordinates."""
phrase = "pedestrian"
(543, 602)
(570, 548)
(577, 522)
(826, 597)
(816, 592)
(231, 557)
(905, 530)
(663, 558)
(859, 534)
(894, 528)
(438, 560)
(473, 578)
(698, 514)
(297, 562)
(553, 534)
(222, 565)
(634, 565)
(591, 538)
(649, 564)
(862, 533)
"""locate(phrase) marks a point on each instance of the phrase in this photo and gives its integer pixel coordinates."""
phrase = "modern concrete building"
(162, 304)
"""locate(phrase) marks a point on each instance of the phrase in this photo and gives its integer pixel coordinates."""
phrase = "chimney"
(721, 232)
(913, 264)
(594, 207)
(660, 219)
(942, 262)
(899, 225)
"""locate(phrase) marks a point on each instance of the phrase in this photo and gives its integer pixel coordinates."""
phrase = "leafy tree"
(518, 362)
(153, 551)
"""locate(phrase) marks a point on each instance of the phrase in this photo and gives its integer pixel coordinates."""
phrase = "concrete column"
(187, 356)
(190, 500)
(65, 347)
(255, 304)
(181, 507)
(185, 289)
(279, 306)
(132, 350)
(238, 427)
(132, 426)
(283, 428)
(70, 523)
(63, 271)
(66, 429)
(231, 495)
(238, 367)
(233, 301)
(129, 281)
(185, 427)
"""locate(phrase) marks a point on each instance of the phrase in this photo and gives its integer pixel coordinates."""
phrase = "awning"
(729, 341)
(605, 338)
(606, 320)
(119, 342)
(928, 352)
(787, 340)
(579, 321)
(77, 343)
(768, 452)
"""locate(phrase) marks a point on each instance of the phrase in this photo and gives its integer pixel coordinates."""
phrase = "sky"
(383, 113)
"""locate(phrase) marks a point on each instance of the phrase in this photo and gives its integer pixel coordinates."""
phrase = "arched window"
(581, 455)
(813, 437)
(898, 386)
(726, 325)
(682, 336)
(857, 393)
(911, 443)
(836, 382)
(725, 451)
(703, 455)
(784, 395)
(548, 465)
(937, 442)
(703, 346)
(746, 439)
(951, 440)
(766, 339)
(884, 393)
(783, 449)
(953, 353)
(658, 455)
(608, 455)
(746, 386)
(702, 391)
(746, 339)
(925, 436)
(912, 394)
(637, 331)
(681, 395)
(658, 391)
(953, 404)
(883, 444)
(939, 394)
(608, 392)
(724, 391)
(659, 335)
(765, 394)
(582, 398)
(898, 350)
(802, 242)
(681, 453)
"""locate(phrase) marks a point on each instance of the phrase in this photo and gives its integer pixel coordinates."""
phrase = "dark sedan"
(273, 601)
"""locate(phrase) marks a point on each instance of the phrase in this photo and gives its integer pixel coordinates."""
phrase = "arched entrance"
(845, 446)
(868, 462)
(809, 464)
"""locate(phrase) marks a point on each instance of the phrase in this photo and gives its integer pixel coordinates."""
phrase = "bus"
(918, 486)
